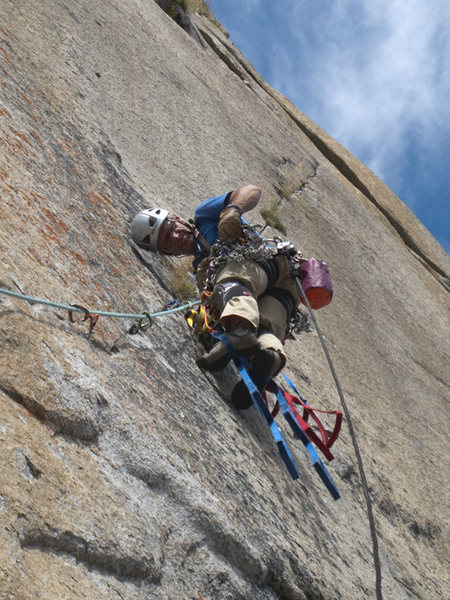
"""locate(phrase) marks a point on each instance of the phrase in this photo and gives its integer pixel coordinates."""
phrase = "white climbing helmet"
(145, 227)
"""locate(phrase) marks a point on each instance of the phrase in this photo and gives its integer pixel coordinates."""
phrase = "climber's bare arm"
(246, 197)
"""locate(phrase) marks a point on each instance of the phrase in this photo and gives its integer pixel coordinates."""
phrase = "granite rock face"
(125, 472)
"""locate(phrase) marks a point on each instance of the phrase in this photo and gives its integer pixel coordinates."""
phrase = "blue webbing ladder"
(242, 366)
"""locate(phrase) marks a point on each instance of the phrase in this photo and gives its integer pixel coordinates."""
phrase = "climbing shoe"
(243, 341)
(265, 364)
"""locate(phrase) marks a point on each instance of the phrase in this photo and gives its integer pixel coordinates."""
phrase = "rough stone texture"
(124, 471)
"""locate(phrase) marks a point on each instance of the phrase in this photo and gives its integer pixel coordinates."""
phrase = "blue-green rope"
(33, 300)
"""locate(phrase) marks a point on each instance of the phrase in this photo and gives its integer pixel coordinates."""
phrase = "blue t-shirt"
(207, 217)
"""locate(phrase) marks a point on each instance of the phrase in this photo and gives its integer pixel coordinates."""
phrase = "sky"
(374, 74)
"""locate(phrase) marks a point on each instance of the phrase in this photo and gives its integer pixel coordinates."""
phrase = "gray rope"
(373, 531)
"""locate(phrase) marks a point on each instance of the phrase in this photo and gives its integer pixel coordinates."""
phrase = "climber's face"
(176, 237)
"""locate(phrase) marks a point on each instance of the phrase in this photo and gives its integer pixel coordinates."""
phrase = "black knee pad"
(285, 298)
(225, 290)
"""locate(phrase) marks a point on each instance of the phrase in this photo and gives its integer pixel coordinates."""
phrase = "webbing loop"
(299, 433)
(325, 441)
(142, 324)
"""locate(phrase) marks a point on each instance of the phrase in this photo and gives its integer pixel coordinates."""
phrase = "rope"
(373, 531)
(72, 308)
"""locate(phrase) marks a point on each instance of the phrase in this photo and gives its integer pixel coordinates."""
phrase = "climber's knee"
(236, 305)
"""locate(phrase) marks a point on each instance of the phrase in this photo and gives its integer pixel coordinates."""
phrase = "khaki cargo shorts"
(261, 309)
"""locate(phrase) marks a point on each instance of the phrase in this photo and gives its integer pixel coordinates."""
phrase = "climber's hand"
(230, 224)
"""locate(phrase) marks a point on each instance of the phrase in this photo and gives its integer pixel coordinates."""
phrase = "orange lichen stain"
(54, 229)
(67, 149)
(35, 255)
(5, 113)
(6, 54)
(27, 100)
(32, 198)
(31, 105)
(51, 216)
(100, 293)
(36, 136)
(117, 271)
(39, 196)
(14, 145)
(7, 194)
(78, 257)
(97, 199)
(22, 136)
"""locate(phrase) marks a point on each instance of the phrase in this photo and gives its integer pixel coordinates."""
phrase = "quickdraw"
(92, 317)
(142, 324)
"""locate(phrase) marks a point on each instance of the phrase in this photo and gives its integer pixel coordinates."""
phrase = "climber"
(255, 298)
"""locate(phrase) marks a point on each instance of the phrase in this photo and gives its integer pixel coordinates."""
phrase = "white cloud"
(371, 72)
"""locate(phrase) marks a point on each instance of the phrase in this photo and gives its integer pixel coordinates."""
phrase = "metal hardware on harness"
(251, 246)
(299, 322)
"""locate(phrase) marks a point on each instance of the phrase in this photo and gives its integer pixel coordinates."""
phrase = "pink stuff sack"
(316, 282)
